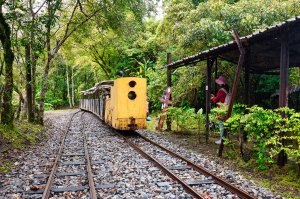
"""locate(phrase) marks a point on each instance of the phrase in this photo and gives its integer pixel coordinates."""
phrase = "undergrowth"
(14, 139)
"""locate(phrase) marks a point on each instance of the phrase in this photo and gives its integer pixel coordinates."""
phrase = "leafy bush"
(216, 113)
(260, 124)
(268, 130)
(48, 107)
(287, 132)
(186, 118)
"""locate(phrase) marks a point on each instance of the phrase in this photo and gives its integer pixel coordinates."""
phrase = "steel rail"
(187, 187)
(93, 193)
(49, 184)
(241, 193)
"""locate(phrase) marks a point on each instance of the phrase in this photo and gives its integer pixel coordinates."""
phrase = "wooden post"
(247, 78)
(208, 92)
(216, 75)
(283, 93)
(169, 84)
(235, 85)
(284, 66)
(237, 75)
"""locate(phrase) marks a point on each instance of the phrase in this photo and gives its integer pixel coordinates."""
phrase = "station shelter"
(270, 51)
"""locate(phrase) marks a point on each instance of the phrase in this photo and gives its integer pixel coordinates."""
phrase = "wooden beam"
(247, 78)
(284, 65)
(237, 75)
(208, 92)
(235, 85)
(283, 90)
(216, 74)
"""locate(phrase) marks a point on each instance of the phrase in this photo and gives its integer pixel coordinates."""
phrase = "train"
(120, 103)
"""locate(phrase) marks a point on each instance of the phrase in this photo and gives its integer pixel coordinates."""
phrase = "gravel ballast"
(118, 170)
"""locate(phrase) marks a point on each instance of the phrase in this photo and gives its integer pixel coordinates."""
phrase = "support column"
(208, 93)
(216, 75)
(247, 78)
(284, 67)
(283, 93)
(169, 84)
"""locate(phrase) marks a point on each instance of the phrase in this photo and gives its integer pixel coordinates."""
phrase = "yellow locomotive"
(121, 103)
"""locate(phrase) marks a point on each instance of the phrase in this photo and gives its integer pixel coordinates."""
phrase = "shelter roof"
(264, 48)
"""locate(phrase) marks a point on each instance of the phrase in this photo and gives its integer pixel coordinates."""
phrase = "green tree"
(5, 37)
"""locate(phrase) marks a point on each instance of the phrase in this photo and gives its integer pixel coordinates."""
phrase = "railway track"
(125, 173)
(181, 169)
(178, 168)
(194, 179)
(71, 154)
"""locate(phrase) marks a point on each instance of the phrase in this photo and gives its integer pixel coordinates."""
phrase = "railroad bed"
(94, 161)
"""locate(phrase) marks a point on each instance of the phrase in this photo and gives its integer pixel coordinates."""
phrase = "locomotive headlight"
(132, 95)
(132, 84)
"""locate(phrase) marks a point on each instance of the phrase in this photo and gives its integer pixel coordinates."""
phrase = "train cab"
(121, 103)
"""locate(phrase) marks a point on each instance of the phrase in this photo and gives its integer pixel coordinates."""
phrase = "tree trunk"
(73, 91)
(1, 93)
(50, 54)
(33, 80)
(46, 70)
(68, 87)
(28, 64)
(44, 90)
(19, 109)
(7, 111)
(21, 101)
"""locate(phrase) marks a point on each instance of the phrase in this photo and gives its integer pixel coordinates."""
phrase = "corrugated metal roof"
(257, 41)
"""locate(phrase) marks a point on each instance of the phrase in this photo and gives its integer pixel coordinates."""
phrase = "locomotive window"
(132, 84)
(131, 95)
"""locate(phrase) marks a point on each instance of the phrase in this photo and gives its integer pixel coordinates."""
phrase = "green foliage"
(294, 76)
(233, 123)
(155, 88)
(20, 135)
(5, 167)
(287, 132)
(259, 123)
(17, 137)
(268, 130)
(210, 23)
(12, 135)
(186, 118)
(48, 106)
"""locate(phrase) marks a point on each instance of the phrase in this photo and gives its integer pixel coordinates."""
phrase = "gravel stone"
(118, 170)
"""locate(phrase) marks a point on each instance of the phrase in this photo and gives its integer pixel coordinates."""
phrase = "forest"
(53, 49)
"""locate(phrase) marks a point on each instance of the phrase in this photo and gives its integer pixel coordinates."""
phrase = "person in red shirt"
(221, 98)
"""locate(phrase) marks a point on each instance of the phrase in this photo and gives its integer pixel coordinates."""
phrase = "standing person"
(222, 99)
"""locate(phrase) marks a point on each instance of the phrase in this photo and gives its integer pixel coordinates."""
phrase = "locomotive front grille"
(131, 123)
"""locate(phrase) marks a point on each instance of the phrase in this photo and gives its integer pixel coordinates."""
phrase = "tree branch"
(67, 35)
(81, 9)
(40, 8)
(16, 89)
